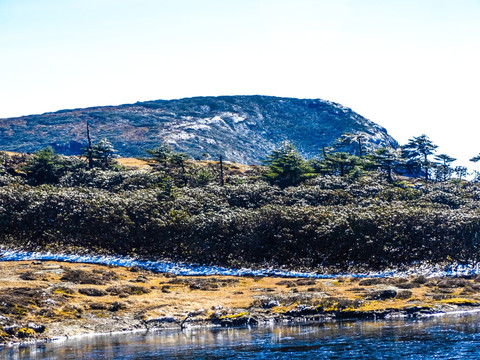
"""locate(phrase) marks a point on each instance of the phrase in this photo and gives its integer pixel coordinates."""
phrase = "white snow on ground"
(180, 136)
(234, 116)
(196, 270)
(237, 118)
(198, 127)
(216, 120)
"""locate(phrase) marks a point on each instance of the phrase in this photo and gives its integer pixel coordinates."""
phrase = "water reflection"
(449, 337)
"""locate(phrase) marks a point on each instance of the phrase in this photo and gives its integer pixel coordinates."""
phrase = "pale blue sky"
(411, 66)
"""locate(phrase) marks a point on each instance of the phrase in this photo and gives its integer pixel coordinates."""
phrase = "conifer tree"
(444, 170)
(359, 139)
(388, 159)
(103, 153)
(161, 153)
(341, 163)
(417, 151)
(44, 167)
(475, 158)
(461, 172)
(178, 159)
(286, 167)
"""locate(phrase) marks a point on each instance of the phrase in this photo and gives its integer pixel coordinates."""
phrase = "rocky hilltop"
(243, 129)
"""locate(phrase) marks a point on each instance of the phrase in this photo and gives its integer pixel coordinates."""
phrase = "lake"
(447, 337)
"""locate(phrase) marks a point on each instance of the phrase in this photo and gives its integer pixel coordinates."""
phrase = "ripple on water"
(450, 337)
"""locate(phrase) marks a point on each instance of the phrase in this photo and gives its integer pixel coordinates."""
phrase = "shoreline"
(267, 323)
(451, 269)
(45, 300)
(174, 268)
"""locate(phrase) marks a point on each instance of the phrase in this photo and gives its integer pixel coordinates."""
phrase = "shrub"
(326, 222)
(92, 292)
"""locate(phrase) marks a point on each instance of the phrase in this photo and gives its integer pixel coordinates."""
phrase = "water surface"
(448, 337)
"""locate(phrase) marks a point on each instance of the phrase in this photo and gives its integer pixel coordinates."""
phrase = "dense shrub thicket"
(327, 221)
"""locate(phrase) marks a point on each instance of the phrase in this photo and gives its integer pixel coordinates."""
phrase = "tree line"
(286, 166)
(351, 155)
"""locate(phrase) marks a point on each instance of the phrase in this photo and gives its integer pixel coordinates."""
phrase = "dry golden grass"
(228, 166)
(236, 293)
(165, 295)
(133, 163)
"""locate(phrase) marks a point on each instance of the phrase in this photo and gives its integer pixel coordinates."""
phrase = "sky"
(412, 66)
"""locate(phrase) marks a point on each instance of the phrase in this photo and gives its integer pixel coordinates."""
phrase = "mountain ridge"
(242, 128)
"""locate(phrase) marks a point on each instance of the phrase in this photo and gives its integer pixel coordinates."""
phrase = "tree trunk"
(360, 147)
(425, 164)
(221, 171)
(89, 151)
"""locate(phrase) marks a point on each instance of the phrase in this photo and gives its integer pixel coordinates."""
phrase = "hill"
(243, 129)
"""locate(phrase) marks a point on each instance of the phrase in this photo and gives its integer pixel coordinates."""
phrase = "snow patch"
(198, 127)
(156, 266)
(201, 270)
(179, 136)
(216, 120)
(237, 118)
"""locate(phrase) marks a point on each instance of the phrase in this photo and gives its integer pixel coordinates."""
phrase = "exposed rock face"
(241, 128)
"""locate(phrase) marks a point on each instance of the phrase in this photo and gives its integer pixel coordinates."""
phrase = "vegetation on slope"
(336, 211)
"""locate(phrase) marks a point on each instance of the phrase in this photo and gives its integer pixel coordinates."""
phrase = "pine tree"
(341, 163)
(417, 151)
(286, 167)
(461, 172)
(444, 170)
(348, 139)
(103, 153)
(475, 158)
(178, 159)
(388, 159)
(161, 154)
(44, 167)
